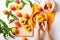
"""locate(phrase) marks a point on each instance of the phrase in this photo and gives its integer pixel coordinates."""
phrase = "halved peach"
(18, 7)
(27, 27)
(15, 31)
(23, 21)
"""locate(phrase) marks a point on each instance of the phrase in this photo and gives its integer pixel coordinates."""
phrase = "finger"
(37, 23)
(43, 26)
(45, 22)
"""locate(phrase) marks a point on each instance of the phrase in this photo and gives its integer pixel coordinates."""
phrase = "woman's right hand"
(45, 27)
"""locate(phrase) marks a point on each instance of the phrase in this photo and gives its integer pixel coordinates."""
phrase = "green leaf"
(23, 3)
(4, 29)
(6, 4)
(11, 20)
(0, 29)
(30, 2)
(11, 36)
(8, 1)
(12, 15)
(2, 22)
(9, 13)
(4, 35)
(11, 0)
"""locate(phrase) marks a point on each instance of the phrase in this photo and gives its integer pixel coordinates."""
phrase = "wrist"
(46, 31)
(38, 28)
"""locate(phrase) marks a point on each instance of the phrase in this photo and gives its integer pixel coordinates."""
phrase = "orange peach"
(26, 15)
(18, 14)
(48, 6)
(5, 11)
(12, 7)
(17, 24)
(17, 1)
(24, 38)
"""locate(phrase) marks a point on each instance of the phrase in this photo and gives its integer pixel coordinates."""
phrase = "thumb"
(37, 25)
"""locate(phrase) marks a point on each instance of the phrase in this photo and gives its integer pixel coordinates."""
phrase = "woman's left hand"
(37, 25)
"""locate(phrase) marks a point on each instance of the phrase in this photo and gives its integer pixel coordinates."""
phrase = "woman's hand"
(37, 25)
(45, 26)
(37, 31)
